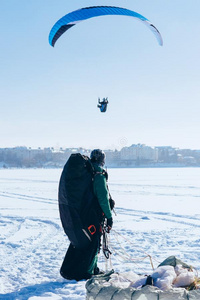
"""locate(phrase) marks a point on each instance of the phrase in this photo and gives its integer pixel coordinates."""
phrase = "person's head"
(98, 156)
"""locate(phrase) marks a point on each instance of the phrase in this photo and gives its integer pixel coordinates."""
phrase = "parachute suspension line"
(108, 264)
(147, 255)
(130, 258)
(129, 241)
(126, 257)
(106, 244)
(101, 258)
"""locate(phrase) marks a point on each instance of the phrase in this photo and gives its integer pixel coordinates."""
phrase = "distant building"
(134, 156)
(167, 154)
(112, 157)
(139, 152)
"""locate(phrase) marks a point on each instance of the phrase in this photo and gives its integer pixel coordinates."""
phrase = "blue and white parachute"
(82, 14)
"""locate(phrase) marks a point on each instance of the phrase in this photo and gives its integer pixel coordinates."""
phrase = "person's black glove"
(112, 203)
(109, 224)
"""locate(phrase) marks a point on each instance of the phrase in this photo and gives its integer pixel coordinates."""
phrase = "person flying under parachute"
(103, 104)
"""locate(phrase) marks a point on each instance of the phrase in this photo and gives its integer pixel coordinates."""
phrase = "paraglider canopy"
(85, 13)
(103, 104)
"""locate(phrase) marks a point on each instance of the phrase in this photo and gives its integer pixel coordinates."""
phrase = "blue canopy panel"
(82, 14)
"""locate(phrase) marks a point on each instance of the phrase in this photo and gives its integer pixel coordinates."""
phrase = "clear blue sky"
(49, 95)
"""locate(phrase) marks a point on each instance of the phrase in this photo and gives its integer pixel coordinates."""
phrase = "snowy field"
(158, 214)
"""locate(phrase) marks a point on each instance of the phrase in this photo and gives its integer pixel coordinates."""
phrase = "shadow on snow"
(38, 290)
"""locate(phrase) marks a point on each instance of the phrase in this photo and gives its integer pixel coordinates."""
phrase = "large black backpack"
(80, 212)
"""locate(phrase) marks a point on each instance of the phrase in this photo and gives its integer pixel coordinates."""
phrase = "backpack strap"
(92, 171)
(104, 173)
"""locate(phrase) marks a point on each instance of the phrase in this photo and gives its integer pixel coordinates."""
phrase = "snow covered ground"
(158, 213)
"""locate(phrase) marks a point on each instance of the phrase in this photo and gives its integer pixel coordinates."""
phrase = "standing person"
(80, 261)
(102, 194)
